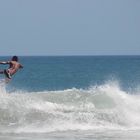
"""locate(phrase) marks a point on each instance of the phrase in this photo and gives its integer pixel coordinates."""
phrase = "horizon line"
(74, 55)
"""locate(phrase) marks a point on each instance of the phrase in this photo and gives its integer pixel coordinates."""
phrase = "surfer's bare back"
(14, 66)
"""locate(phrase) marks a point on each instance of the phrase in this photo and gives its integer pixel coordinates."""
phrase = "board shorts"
(7, 74)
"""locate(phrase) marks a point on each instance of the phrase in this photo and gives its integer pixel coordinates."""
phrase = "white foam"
(99, 107)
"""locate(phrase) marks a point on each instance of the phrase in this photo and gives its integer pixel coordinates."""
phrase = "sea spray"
(99, 107)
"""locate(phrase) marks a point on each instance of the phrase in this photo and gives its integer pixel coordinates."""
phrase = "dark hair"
(14, 58)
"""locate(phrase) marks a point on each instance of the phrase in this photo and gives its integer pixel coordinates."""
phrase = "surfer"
(14, 66)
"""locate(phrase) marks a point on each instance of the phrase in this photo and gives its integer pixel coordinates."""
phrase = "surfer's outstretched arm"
(4, 62)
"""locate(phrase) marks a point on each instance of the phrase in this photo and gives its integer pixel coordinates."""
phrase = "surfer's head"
(14, 58)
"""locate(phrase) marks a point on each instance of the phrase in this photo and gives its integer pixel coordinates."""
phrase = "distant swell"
(99, 107)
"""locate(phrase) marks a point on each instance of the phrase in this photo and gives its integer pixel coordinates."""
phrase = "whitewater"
(98, 112)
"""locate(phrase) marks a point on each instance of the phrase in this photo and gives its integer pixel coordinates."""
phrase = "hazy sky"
(69, 27)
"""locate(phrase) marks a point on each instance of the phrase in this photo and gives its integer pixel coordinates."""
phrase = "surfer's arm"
(8, 62)
(21, 66)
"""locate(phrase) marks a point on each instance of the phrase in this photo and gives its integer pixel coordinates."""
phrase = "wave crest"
(99, 107)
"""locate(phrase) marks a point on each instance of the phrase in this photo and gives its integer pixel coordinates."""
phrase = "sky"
(70, 27)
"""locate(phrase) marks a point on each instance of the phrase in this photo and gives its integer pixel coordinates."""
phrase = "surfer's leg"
(7, 74)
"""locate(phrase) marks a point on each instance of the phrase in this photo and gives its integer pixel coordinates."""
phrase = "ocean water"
(72, 97)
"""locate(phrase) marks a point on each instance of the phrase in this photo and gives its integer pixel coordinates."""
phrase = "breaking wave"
(98, 107)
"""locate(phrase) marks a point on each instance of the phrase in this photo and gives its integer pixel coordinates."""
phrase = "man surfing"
(14, 66)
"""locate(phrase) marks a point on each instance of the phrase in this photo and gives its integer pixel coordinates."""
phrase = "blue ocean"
(70, 98)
